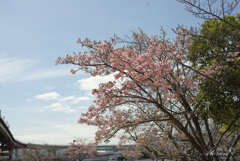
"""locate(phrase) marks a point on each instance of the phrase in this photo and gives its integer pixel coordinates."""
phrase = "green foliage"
(215, 37)
(218, 38)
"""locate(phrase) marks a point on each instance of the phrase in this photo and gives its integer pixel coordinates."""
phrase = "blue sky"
(41, 101)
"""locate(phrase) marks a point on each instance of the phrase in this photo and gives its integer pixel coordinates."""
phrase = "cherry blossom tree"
(81, 149)
(152, 99)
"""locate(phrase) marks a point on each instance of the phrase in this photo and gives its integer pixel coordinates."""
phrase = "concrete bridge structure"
(7, 141)
(105, 148)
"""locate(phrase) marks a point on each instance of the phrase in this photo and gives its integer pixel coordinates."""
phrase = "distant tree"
(37, 153)
(81, 149)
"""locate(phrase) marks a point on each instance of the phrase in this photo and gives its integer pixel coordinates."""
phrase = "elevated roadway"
(7, 141)
(106, 148)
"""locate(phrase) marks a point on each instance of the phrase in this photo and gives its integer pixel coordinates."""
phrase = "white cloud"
(73, 99)
(80, 99)
(93, 82)
(55, 105)
(67, 98)
(62, 104)
(58, 107)
(48, 96)
(124, 107)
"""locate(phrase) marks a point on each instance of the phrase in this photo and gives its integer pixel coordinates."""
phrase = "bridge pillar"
(16, 153)
(6, 146)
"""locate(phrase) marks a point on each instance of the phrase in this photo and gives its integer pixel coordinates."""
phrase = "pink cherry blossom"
(157, 88)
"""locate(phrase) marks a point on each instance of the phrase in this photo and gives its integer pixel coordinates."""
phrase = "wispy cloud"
(46, 74)
(18, 69)
(73, 99)
(11, 68)
(67, 98)
(80, 99)
(58, 107)
(48, 96)
(62, 102)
